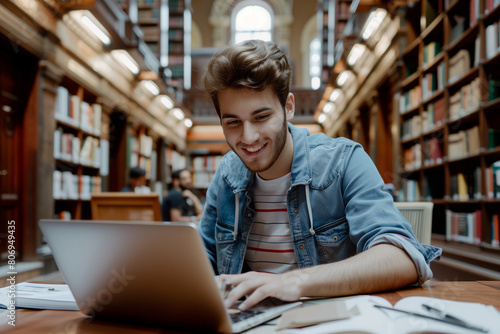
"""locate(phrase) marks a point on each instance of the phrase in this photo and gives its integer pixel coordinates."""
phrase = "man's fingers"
(256, 297)
(241, 289)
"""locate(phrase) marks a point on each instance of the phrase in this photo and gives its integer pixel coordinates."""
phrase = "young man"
(137, 181)
(181, 204)
(289, 214)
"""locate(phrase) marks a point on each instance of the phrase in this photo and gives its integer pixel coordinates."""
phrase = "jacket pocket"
(330, 238)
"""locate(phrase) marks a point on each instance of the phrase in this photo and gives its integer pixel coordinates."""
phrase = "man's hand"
(257, 286)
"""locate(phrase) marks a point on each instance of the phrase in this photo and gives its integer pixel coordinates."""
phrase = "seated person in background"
(289, 214)
(181, 204)
(137, 181)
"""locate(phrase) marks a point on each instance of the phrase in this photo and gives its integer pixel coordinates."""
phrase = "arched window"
(252, 21)
(315, 63)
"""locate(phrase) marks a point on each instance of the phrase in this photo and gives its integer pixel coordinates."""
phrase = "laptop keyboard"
(240, 316)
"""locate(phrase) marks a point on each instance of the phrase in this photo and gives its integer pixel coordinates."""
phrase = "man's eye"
(262, 117)
(232, 123)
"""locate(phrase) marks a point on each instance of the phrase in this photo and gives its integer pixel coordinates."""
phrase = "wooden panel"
(125, 206)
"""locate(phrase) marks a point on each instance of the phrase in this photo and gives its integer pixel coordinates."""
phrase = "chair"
(125, 206)
(419, 215)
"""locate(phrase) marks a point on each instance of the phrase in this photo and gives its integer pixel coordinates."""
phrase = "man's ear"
(290, 107)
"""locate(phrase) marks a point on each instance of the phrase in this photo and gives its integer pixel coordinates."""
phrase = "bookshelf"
(449, 135)
(176, 42)
(334, 16)
(80, 150)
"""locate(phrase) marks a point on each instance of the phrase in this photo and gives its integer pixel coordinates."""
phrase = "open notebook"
(152, 273)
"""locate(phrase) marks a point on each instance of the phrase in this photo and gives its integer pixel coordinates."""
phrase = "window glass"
(252, 22)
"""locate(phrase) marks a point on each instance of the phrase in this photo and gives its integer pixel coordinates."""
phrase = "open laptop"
(152, 273)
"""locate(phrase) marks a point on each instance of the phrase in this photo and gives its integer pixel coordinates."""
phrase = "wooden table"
(50, 321)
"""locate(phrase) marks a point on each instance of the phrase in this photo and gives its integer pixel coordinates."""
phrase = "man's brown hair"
(252, 64)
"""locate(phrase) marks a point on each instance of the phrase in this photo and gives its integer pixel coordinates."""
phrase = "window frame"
(247, 3)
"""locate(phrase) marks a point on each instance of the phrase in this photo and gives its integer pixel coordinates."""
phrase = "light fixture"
(152, 87)
(124, 57)
(321, 118)
(329, 106)
(95, 27)
(315, 83)
(167, 101)
(188, 122)
(374, 21)
(179, 114)
(342, 78)
(355, 53)
(335, 95)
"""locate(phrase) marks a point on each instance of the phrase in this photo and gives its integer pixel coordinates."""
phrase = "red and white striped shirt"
(270, 246)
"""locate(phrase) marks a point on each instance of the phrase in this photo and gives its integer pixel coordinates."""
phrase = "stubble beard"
(279, 145)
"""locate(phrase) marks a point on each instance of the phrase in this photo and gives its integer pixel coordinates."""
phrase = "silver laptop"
(152, 273)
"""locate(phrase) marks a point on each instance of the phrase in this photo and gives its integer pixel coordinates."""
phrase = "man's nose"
(250, 134)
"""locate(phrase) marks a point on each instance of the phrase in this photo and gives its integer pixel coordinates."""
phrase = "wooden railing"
(203, 111)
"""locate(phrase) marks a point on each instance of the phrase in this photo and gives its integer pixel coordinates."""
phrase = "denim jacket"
(337, 207)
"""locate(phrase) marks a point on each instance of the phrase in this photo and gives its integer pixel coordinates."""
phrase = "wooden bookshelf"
(80, 150)
(449, 134)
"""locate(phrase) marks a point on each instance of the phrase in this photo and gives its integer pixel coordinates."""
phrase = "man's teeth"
(253, 149)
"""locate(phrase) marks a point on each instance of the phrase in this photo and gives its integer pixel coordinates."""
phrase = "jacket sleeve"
(208, 221)
(373, 218)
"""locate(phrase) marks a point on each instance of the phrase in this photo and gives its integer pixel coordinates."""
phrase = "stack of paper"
(39, 296)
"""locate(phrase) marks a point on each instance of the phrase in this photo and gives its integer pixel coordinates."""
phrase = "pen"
(449, 320)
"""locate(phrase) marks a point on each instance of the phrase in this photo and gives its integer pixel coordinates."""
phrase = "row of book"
(204, 170)
(409, 191)
(207, 163)
(67, 147)
(148, 14)
(493, 89)
(433, 81)
(412, 157)
(466, 100)
(175, 159)
(467, 227)
(464, 226)
(459, 65)
(67, 185)
(463, 143)
(410, 99)
(475, 9)
(466, 186)
(493, 138)
(492, 40)
(431, 50)
(201, 180)
(433, 151)
(148, 164)
(411, 127)
(433, 115)
(70, 109)
(493, 180)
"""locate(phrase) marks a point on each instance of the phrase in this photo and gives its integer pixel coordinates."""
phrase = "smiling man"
(289, 214)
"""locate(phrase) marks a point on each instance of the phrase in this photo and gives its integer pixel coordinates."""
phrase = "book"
(493, 138)
(374, 314)
(39, 296)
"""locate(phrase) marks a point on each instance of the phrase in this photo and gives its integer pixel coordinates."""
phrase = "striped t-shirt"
(270, 246)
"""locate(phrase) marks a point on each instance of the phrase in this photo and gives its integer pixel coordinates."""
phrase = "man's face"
(138, 181)
(255, 126)
(185, 179)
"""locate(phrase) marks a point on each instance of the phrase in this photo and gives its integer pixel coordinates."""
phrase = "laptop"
(151, 273)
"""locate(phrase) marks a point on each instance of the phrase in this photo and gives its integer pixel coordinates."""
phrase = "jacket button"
(295, 211)
(249, 215)
(335, 238)
(301, 246)
(219, 235)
